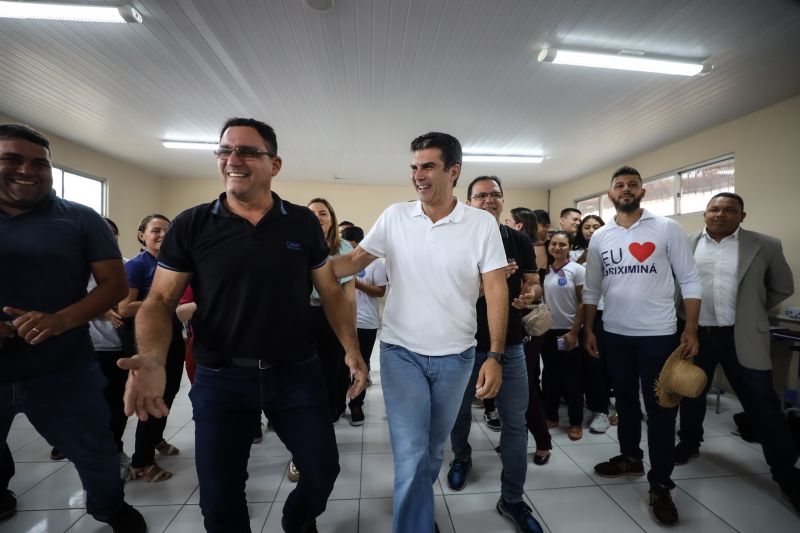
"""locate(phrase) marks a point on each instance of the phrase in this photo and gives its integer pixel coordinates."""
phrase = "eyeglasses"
(484, 195)
(244, 152)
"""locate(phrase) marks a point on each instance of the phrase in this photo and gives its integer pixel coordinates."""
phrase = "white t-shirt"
(344, 248)
(632, 269)
(366, 305)
(560, 295)
(434, 271)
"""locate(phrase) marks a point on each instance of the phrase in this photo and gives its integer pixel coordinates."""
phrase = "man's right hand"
(144, 391)
(591, 344)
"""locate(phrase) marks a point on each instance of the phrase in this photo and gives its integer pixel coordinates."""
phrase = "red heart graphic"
(642, 251)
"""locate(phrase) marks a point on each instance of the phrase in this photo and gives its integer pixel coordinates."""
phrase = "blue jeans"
(69, 410)
(631, 360)
(227, 404)
(422, 396)
(754, 389)
(512, 403)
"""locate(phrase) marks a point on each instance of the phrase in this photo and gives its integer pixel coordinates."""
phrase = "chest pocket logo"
(291, 245)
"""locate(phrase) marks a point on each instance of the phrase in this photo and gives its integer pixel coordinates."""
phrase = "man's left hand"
(358, 373)
(36, 327)
(522, 301)
(689, 338)
(490, 378)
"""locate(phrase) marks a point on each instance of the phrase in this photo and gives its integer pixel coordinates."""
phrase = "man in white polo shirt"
(437, 251)
(633, 263)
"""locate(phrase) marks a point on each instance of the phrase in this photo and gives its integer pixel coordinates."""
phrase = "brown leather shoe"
(663, 508)
(620, 466)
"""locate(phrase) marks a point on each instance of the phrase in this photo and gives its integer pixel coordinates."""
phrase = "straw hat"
(678, 378)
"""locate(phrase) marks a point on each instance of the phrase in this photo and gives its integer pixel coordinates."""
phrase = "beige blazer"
(765, 280)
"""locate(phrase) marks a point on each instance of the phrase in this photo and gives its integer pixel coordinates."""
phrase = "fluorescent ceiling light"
(80, 13)
(186, 145)
(622, 61)
(500, 158)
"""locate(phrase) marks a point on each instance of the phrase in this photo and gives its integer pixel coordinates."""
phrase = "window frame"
(81, 174)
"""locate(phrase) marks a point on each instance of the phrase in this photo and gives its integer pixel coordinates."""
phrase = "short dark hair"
(733, 195)
(353, 233)
(526, 217)
(145, 221)
(542, 216)
(112, 225)
(22, 131)
(626, 171)
(446, 143)
(264, 130)
(483, 178)
(346, 223)
(567, 210)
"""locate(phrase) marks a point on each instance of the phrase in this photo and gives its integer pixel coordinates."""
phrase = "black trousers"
(331, 354)
(561, 376)
(760, 402)
(150, 432)
(596, 382)
(6, 465)
(366, 341)
(115, 389)
(534, 416)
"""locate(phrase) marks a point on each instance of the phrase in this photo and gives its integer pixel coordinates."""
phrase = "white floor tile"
(581, 509)
(57, 520)
(477, 513)
(376, 438)
(586, 456)
(190, 520)
(339, 515)
(157, 518)
(375, 515)
(560, 471)
(27, 475)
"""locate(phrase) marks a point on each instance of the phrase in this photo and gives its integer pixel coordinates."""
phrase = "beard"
(629, 207)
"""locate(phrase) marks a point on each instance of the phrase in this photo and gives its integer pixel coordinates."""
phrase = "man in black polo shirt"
(486, 192)
(49, 246)
(251, 259)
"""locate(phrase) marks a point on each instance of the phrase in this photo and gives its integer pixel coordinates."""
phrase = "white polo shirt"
(633, 269)
(435, 272)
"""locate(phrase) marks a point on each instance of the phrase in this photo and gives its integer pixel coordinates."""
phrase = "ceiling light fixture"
(79, 13)
(622, 60)
(320, 6)
(502, 158)
(187, 145)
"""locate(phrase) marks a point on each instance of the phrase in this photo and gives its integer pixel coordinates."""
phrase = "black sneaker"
(128, 520)
(289, 525)
(620, 466)
(57, 455)
(684, 452)
(356, 415)
(492, 420)
(8, 504)
(457, 475)
(520, 515)
(663, 508)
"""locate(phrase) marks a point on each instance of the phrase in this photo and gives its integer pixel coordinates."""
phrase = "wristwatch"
(497, 356)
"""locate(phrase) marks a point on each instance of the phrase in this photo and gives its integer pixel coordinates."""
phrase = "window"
(79, 188)
(674, 193)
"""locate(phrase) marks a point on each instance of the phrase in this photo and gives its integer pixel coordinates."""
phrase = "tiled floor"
(727, 489)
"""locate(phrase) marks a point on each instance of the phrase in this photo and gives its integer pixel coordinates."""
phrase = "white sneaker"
(599, 423)
(124, 466)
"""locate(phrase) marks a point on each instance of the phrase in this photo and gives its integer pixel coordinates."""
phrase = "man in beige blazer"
(744, 274)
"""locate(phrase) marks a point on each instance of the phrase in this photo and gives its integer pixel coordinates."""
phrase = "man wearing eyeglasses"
(251, 258)
(437, 252)
(486, 193)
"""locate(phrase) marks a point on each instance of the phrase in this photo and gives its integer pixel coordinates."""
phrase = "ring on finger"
(36, 330)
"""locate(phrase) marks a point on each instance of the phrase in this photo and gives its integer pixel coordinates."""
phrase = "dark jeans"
(68, 409)
(631, 360)
(227, 404)
(6, 465)
(150, 432)
(534, 416)
(561, 376)
(366, 341)
(595, 373)
(331, 354)
(754, 389)
(115, 389)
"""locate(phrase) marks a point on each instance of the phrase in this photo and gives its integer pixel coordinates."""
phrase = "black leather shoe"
(541, 460)
(663, 508)
(8, 504)
(457, 475)
(128, 520)
(685, 451)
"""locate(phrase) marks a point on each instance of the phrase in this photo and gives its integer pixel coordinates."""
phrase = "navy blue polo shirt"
(44, 266)
(518, 246)
(251, 283)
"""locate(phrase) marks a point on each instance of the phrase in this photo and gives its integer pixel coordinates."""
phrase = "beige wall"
(132, 192)
(767, 149)
(360, 204)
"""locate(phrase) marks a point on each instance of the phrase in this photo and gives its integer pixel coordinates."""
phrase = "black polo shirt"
(44, 266)
(518, 246)
(251, 283)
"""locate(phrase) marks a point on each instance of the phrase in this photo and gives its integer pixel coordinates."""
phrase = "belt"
(243, 362)
(715, 329)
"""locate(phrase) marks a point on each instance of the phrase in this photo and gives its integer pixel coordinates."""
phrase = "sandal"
(150, 473)
(166, 449)
(575, 433)
(613, 419)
